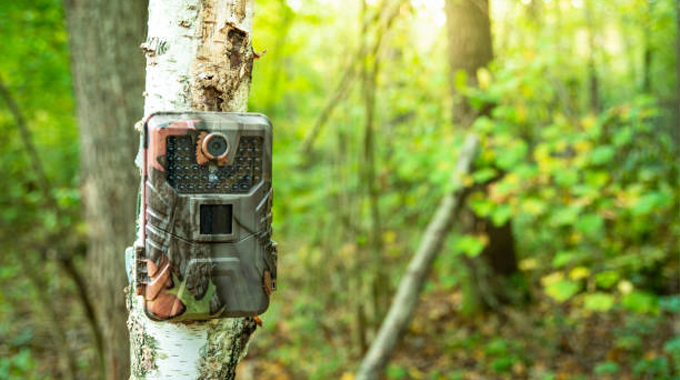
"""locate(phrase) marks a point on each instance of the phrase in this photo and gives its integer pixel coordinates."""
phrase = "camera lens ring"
(215, 146)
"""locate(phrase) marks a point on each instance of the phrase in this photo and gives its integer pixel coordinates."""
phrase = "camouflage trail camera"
(207, 200)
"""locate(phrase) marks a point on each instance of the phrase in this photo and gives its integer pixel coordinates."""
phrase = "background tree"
(108, 81)
(471, 49)
(593, 76)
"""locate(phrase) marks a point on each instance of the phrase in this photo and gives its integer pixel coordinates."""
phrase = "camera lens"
(216, 145)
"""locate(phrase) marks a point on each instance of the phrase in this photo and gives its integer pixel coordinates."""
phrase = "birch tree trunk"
(199, 57)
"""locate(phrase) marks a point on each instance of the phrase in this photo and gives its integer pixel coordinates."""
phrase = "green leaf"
(562, 290)
(497, 347)
(565, 216)
(563, 258)
(470, 245)
(670, 304)
(672, 347)
(606, 368)
(484, 175)
(623, 136)
(590, 225)
(501, 215)
(460, 80)
(525, 171)
(566, 178)
(533, 206)
(597, 179)
(482, 206)
(396, 372)
(509, 157)
(641, 302)
(602, 155)
(598, 301)
(503, 365)
(649, 203)
(607, 279)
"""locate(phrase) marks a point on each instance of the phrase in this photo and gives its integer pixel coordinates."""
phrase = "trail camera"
(207, 200)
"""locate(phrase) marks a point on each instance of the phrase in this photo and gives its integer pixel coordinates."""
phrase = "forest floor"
(546, 341)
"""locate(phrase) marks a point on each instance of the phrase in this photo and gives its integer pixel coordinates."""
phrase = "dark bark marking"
(226, 61)
(237, 38)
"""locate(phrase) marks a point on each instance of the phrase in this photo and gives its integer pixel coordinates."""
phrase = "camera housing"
(206, 208)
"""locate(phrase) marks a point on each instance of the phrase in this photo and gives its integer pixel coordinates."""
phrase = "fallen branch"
(406, 299)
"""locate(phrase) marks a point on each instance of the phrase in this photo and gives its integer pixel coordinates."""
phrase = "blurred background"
(564, 265)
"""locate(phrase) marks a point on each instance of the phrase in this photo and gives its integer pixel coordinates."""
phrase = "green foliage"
(395, 372)
(606, 368)
(672, 349)
(20, 365)
(641, 302)
(470, 245)
(584, 190)
(598, 301)
(562, 290)
(657, 368)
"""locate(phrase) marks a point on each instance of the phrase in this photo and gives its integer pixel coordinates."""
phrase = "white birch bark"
(199, 57)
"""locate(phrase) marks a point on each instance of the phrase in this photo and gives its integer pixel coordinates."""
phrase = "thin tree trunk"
(593, 79)
(108, 80)
(379, 283)
(535, 13)
(677, 64)
(470, 49)
(199, 57)
(557, 34)
(364, 259)
(647, 64)
(648, 54)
